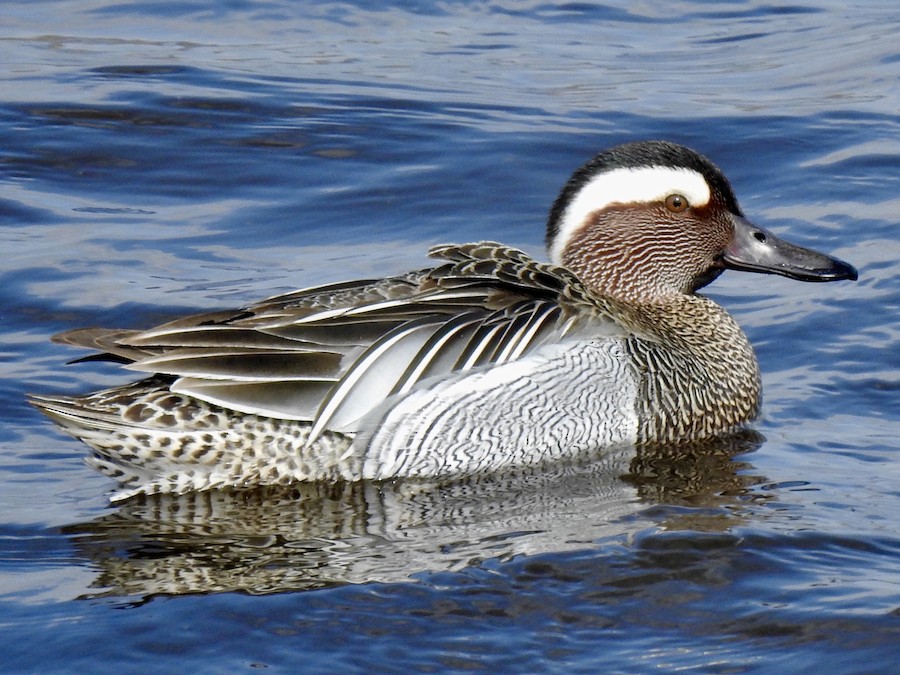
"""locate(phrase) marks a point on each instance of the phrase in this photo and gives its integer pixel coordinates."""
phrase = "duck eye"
(676, 203)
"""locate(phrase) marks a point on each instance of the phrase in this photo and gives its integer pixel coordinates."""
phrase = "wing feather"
(331, 354)
(439, 353)
(289, 399)
(243, 365)
(370, 378)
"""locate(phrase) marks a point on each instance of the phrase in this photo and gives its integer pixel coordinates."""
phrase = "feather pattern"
(328, 355)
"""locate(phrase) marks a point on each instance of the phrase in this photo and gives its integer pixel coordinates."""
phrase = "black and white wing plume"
(330, 354)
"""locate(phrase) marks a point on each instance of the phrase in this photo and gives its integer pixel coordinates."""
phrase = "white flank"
(643, 185)
(555, 402)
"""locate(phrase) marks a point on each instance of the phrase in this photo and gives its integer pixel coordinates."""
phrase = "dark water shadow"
(314, 536)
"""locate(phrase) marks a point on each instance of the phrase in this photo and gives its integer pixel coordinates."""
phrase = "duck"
(485, 361)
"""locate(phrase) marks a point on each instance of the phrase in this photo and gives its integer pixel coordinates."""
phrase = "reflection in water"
(310, 536)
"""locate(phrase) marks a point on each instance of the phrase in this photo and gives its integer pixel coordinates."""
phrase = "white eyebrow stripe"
(627, 186)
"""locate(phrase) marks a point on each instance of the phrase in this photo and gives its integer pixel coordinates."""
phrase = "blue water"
(165, 157)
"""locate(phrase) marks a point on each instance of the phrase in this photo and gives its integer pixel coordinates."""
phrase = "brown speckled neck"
(698, 373)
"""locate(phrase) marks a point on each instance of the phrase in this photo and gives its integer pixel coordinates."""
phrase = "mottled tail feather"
(150, 441)
(95, 430)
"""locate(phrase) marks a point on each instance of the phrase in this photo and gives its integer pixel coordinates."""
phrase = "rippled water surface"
(164, 157)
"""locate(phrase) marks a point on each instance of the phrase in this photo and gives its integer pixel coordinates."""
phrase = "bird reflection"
(312, 536)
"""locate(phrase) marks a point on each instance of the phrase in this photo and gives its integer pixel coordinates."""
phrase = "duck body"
(488, 360)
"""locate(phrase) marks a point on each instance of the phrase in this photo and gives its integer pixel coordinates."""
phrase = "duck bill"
(755, 249)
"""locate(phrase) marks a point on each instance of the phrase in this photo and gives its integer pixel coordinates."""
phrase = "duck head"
(643, 221)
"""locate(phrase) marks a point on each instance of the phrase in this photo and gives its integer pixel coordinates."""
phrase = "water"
(159, 158)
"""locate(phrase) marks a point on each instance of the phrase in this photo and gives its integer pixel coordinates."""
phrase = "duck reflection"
(312, 536)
